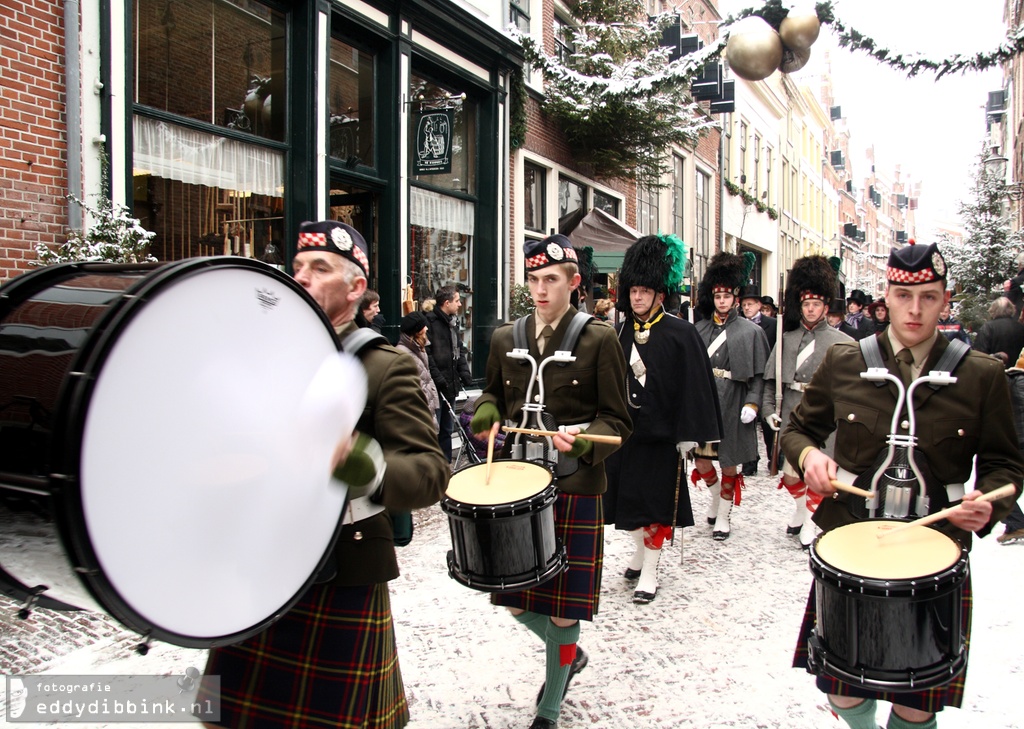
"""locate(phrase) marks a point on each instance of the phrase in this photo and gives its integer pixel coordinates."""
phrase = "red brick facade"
(33, 175)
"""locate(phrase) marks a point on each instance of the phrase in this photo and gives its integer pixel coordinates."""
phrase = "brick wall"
(33, 177)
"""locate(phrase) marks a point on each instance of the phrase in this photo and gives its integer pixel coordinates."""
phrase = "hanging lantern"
(793, 61)
(800, 29)
(754, 50)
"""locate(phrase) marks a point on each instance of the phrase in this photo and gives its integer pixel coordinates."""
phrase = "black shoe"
(541, 723)
(578, 664)
(643, 598)
(631, 574)
(793, 531)
(720, 536)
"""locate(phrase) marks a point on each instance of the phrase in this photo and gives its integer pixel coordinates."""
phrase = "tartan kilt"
(331, 661)
(930, 700)
(573, 594)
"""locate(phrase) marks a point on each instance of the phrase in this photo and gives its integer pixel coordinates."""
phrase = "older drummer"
(955, 423)
(585, 395)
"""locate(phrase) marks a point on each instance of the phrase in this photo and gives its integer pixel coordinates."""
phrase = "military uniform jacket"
(589, 390)
(954, 422)
(744, 356)
(397, 416)
(793, 345)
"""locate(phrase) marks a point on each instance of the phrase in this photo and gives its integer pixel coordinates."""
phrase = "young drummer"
(583, 396)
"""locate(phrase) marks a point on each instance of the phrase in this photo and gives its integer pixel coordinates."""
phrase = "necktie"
(905, 359)
(545, 335)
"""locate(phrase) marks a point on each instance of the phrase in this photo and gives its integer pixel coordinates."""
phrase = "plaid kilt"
(930, 700)
(573, 594)
(331, 661)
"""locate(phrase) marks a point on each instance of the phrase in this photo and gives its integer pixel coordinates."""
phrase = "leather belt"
(798, 386)
(724, 374)
(359, 509)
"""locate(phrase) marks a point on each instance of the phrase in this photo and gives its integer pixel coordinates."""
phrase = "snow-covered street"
(713, 650)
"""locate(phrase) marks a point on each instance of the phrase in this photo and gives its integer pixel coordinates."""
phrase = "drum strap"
(358, 340)
(948, 362)
(572, 334)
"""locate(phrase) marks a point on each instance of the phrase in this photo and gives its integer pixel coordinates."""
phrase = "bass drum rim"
(66, 445)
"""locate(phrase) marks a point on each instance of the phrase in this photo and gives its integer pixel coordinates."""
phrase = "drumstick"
(490, 452)
(839, 485)
(613, 439)
(1001, 492)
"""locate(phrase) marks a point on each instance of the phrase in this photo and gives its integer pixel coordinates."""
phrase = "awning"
(603, 233)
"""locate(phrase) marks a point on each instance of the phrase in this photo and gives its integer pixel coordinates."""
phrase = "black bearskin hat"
(724, 270)
(810, 277)
(655, 262)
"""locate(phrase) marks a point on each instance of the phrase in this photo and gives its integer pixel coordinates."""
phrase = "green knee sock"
(561, 650)
(538, 624)
(861, 716)
(898, 722)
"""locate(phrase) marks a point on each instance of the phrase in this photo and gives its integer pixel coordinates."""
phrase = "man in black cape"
(673, 401)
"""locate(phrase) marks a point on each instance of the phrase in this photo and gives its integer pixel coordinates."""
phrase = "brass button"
(960, 432)
(357, 536)
(575, 382)
(536, 398)
(905, 425)
(634, 394)
(851, 417)
(508, 382)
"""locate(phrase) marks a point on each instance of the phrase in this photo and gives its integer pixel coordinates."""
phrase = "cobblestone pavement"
(713, 649)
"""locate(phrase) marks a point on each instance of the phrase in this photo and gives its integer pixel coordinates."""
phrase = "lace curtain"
(198, 158)
(440, 212)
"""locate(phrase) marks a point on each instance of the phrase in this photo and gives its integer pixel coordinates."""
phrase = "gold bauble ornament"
(754, 50)
(800, 29)
(793, 61)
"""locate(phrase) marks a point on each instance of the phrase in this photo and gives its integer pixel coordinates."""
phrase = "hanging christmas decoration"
(799, 28)
(754, 50)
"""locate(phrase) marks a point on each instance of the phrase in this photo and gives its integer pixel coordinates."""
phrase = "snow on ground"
(713, 650)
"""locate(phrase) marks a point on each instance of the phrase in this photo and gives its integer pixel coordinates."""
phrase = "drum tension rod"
(33, 597)
(143, 647)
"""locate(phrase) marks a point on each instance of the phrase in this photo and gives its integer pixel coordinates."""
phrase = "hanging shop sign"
(434, 142)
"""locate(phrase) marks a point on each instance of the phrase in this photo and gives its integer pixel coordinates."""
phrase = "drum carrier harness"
(530, 448)
(900, 482)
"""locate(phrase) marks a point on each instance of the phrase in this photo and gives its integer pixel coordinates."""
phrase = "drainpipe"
(721, 188)
(73, 110)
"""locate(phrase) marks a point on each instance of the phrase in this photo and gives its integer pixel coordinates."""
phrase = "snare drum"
(888, 610)
(143, 468)
(503, 532)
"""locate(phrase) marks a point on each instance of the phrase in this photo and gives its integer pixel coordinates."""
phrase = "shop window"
(222, 62)
(534, 191)
(204, 195)
(350, 97)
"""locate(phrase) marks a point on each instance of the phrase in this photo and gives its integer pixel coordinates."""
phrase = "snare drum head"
(510, 482)
(856, 549)
(207, 508)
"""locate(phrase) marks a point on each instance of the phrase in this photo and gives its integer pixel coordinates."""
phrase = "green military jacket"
(397, 416)
(590, 390)
(954, 423)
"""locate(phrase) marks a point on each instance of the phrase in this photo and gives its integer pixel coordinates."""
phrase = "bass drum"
(149, 466)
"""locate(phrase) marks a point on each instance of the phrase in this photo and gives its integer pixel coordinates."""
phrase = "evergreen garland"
(517, 109)
(773, 13)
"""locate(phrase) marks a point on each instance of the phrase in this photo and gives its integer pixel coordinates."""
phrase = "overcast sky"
(933, 129)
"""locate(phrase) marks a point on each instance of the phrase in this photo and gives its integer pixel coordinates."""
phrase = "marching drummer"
(332, 660)
(955, 423)
(583, 396)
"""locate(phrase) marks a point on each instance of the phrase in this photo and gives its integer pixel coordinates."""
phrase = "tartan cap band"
(340, 238)
(916, 264)
(549, 251)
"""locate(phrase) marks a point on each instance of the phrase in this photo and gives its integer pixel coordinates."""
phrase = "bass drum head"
(201, 505)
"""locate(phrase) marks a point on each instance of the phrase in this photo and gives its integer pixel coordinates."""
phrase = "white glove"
(685, 446)
(747, 414)
(774, 422)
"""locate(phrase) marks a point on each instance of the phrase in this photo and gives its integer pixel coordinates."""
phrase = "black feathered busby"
(812, 277)
(655, 262)
(726, 272)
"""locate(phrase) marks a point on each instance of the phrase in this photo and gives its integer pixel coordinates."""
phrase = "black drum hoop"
(537, 502)
(72, 407)
(925, 587)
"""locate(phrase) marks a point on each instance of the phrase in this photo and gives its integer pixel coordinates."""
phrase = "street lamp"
(996, 164)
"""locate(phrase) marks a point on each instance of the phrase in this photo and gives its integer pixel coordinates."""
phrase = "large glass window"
(702, 244)
(222, 62)
(350, 98)
(563, 34)
(647, 212)
(534, 189)
(572, 203)
(519, 14)
(607, 203)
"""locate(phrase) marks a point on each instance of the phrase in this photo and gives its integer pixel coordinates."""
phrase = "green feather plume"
(676, 254)
(749, 259)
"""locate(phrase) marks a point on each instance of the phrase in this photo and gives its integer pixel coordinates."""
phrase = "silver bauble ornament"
(793, 61)
(800, 29)
(754, 50)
